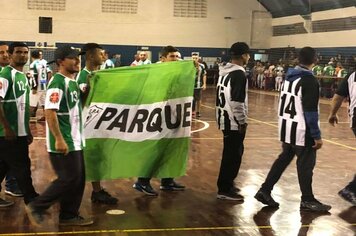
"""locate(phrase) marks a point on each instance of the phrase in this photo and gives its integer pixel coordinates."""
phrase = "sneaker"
(76, 221)
(4, 203)
(314, 205)
(348, 195)
(103, 197)
(34, 215)
(146, 189)
(266, 199)
(174, 186)
(15, 192)
(231, 196)
(236, 189)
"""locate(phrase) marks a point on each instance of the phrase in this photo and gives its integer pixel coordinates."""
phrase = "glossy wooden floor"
(196, 211)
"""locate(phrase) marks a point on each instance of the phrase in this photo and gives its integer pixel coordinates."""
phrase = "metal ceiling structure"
(281, 8)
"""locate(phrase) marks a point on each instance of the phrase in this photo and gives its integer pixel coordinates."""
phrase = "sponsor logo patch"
(54, 98)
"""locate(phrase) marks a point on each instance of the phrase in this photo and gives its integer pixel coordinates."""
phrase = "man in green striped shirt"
(15, 134)
(65, 142)
(93, 59)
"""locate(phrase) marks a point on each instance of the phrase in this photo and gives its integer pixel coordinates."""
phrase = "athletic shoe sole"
(224, 197)
(13, 194)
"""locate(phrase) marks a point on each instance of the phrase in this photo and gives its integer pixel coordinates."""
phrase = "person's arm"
(310, 103)
(204, 82)
(52, 121)
(8, 132)
(238, 95)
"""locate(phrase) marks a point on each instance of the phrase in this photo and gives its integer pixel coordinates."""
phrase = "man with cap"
(299, 132)
(93, 59)
(65, 142)
(231, 117)
(15, 133)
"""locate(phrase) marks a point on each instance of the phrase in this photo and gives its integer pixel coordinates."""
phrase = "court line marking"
(276, 126)
(206, 126)
(164, 230)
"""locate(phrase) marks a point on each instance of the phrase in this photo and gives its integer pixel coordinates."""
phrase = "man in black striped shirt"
(298, 131)
(347, 88)
(231, 117)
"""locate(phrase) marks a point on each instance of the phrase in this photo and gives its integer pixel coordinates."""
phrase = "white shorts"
(37, 99)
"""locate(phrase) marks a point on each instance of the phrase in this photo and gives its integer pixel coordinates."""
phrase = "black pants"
(306, 157)
(231, 159)
(68, 188)
(146, 181)
(352, 185)
(14, 156)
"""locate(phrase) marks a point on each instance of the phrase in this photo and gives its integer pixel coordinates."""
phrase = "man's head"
(143, 55)
(195, 57)
(18, 52)
(240, 51)
(67, 58)
(169, 53)
(93, 53)
(307, 56)
(4, 54)
(36, 54)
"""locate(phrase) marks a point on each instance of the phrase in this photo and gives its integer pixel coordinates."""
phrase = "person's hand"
(204, 86)
(333, 119)
(29, 138)
(242, 128)
(318, 143)
(9, 134)
(61, 146)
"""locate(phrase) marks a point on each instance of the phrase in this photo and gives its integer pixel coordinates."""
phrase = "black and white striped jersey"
(231, 97)
(347, 88)
(298, 122)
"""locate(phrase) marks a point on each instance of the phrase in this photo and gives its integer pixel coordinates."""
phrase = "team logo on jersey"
(54, 98)
(93, 112)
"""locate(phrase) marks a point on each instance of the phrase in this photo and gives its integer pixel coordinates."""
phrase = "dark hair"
(307, 56)
(2, 43)
(13, 45)
(35, 54)
(166, 50)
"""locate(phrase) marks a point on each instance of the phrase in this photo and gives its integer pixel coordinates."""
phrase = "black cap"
(88, 47)
(239, 48)
(65, 51)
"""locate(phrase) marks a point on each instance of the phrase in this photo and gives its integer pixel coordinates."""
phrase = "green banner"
(138, 121)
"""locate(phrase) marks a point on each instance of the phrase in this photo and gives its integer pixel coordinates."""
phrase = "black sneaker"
(173, 186)
(236, 189)
(15, 192)
(314, 205)
(146, 189)
(4, 203)
(34, 215)
(266, 199)
(103, 197)
(348, 195)
(231, 196)
(76, 221)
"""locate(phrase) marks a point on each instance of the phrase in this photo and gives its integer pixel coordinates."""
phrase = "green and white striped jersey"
(63, 95)
(39, 70)
(82, 79)
(14, 90)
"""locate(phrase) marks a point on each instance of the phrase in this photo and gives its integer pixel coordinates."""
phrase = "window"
(190, 8)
